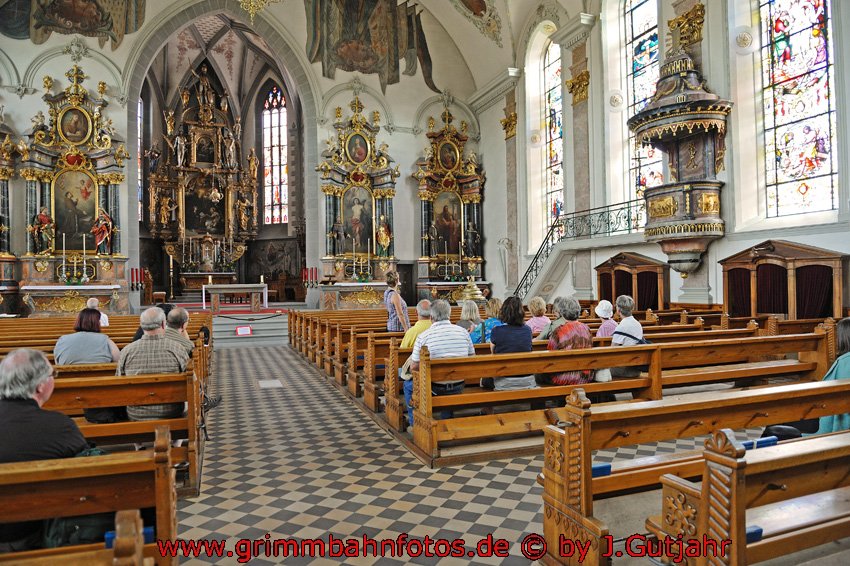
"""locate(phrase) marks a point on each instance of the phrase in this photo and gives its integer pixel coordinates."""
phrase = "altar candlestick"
(368, 254)
(63, 256)
(170, 262)
(84, 253)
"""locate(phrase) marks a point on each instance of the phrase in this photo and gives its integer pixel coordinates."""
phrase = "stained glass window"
(554, 149)
(799, 110)
(641, 25)
(140, 189)
(275, 169)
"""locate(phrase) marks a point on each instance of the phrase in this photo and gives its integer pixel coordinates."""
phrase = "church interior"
(307, 187)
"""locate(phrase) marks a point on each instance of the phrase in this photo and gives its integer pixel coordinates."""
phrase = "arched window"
(554, 145)
(799, 109)
(275, 169)
(641, 28)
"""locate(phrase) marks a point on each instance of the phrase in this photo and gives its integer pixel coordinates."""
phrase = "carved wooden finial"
(723, 442)
(752, 325)
(724, 321)
(578, 399)
(162, 444)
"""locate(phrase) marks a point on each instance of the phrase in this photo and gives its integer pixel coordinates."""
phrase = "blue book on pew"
(147, 532)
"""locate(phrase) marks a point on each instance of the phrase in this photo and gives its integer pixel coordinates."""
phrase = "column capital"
(493, 91)
(575, 31)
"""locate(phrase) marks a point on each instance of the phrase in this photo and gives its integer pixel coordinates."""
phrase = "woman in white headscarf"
(605, 311)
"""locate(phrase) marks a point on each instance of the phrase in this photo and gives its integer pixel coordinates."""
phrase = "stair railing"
(623, 218)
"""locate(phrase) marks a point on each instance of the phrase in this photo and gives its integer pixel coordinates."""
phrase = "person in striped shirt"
(443, 340)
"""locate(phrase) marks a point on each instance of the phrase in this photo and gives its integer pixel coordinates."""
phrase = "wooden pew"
(47, 489)
(670, 365)
(570, 484)
(765, 502)
(73, 394)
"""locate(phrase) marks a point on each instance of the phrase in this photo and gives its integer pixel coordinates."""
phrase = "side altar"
(73, 165)
(351, 295)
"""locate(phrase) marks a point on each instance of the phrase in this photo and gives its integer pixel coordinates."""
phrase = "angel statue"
(166, 207)
(169, 122)
(180, 150)
(102, 229)
(244, 207)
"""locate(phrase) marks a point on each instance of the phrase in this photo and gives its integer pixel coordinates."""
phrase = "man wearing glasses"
(28, 432)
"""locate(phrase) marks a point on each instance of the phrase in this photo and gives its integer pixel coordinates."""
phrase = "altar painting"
(203, 216)
(448, 218)
(75, 197)
(357, 220)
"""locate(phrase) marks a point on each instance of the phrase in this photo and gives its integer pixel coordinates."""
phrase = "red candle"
(315, 274)
(132, 275)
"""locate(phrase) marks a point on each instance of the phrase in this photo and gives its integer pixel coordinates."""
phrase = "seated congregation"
(101, 428)
(488, 381)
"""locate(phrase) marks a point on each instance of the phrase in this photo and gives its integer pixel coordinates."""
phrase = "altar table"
(216, 291)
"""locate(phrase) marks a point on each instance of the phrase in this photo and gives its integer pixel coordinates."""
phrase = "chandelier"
(254, 7)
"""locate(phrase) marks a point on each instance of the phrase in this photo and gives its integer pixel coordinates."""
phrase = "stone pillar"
(573, 41)
(114, 212)
(511, 220)
(31, 204)
(389, 215)
(696, 288)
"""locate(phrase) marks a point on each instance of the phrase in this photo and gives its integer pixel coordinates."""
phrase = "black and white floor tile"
(301, 461)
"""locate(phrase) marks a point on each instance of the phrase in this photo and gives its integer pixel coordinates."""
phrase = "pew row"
(47, 489)
(673, 364)
(570, 483)
(767, 502)
(73, 394)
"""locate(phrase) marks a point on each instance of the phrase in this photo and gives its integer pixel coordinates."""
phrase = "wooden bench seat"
(69, 487)
(672, 364)
(569, 485)
(775, 500)
(73, 394)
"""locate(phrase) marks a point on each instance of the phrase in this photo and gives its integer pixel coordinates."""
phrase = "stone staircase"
(268, 329)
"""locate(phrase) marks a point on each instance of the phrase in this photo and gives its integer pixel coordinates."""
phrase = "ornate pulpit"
(450, 187)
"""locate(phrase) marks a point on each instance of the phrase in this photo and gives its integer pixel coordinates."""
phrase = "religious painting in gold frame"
(205, 147)
(75, 195)
(448, 155)
(357, 148)
(358, 220)
(448, 219)
(75, 125)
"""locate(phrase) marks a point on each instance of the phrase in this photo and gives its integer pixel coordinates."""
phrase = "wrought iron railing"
(623, 218)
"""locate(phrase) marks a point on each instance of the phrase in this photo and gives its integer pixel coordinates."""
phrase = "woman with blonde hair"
(538, 320)
(469, 317)
(397, 318)
(491, 310)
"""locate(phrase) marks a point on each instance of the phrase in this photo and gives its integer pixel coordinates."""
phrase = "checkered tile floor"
(302, 461)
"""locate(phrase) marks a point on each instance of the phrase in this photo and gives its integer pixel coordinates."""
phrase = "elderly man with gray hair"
(629, 332)
(423, 314)
(93, 303)
(176, 322)
(28, 432)
(153, 353)
(444, 340)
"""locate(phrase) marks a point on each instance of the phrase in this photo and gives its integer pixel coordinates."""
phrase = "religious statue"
(338, 232)
(237, 128)
(230, 150)
(169, 122)
(166, 206)
(38, 121)
(180, 149)
(384, 238)
(204, 87)
(184, 96)
(43, 231)
(472, 241)
(102, 229)
(253, 164)
(223, 104)
(153, 154)
(244, 207)
(434, 239)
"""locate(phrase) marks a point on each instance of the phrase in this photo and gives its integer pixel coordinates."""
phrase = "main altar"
(73, 164)
(203, 198)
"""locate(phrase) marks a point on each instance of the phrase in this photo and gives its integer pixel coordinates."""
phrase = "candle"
(63, 255)
(170, 262)
(84, 253)
(262, 279)
(209, 280)
(183, 250)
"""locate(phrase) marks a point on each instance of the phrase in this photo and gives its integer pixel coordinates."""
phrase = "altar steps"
(267, 328)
